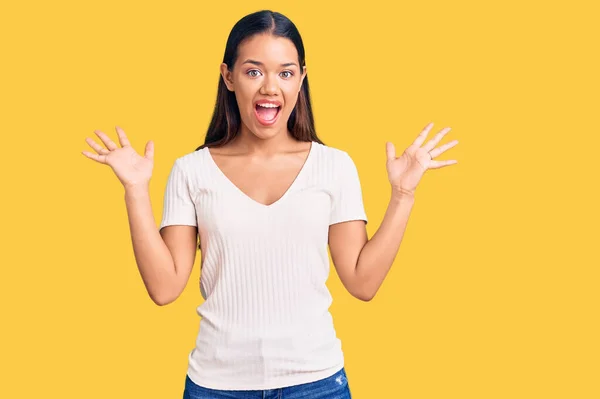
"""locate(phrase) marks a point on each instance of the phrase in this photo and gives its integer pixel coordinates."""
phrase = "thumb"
(390, 150)
(149, 150)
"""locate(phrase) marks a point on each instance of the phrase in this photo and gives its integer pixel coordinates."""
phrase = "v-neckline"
(243, 194)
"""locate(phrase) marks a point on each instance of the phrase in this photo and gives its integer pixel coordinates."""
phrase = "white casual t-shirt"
(265, 320)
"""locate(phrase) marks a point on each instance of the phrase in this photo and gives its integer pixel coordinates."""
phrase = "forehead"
(268, 50)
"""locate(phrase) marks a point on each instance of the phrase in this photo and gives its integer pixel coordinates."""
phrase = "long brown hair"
(226, 119)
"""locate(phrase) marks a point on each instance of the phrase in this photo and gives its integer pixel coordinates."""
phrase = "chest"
(298, 209)
(239, 200)
(263, 182)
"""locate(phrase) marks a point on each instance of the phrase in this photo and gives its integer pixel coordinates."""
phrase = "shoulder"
(334, 166)
(336, 158)
(188, 163)
(189, 157)
(332, 153)
(190, 168)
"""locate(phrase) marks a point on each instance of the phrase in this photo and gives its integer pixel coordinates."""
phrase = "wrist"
(400, 193)
(135, 189)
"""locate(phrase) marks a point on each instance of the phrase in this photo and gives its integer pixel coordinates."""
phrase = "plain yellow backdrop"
(494, 292)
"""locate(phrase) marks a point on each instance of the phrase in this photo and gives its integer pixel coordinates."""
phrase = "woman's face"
(266, 72)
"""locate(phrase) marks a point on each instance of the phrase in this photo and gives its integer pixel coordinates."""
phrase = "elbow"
(164, 294)
(363, 290)
(164, 299)
(364, 296)
(160, 302)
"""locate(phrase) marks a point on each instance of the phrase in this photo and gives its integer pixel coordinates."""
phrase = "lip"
(267, 123)
(274, 102)
(271, 122)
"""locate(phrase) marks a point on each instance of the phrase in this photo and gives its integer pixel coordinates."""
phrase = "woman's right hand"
(131, 168)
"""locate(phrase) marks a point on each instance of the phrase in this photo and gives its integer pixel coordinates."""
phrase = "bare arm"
(164, 259)
(377, 256)
(363, 264)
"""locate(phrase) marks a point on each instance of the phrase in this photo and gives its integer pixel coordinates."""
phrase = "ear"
(227, 77)
(302, 78)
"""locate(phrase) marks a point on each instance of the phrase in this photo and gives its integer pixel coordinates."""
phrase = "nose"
(270, 86)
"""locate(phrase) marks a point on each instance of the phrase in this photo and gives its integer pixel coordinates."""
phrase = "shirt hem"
(281, 382)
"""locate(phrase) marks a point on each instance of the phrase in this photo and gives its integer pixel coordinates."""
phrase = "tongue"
(266, 113)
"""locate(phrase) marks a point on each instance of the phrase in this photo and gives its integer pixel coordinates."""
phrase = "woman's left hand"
(405, 172)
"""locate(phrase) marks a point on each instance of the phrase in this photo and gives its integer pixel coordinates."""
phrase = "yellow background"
(494, 292)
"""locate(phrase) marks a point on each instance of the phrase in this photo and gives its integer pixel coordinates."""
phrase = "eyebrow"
(249, 61)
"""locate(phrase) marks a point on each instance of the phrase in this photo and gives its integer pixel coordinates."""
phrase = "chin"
(267, 133)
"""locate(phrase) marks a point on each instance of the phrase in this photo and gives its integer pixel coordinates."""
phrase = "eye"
(250, 73)
(290, 74)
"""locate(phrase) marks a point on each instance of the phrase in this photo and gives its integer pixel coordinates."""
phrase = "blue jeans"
(334, 387)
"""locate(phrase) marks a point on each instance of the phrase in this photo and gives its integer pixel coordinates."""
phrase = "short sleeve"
(178, 206)
(347, 194)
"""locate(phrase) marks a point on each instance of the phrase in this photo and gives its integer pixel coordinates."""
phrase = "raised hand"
(131, 168)
(405, 172)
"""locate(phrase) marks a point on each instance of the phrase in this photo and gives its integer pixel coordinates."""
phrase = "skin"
(272, 81)
(263, 161)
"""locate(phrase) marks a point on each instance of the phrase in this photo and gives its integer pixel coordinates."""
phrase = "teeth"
(268, 105)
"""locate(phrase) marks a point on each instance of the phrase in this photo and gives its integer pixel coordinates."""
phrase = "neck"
(249, 143)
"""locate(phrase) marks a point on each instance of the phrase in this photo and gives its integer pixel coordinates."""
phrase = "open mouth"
(266, 115)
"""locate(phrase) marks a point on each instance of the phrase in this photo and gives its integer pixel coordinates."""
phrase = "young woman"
(265, 197)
